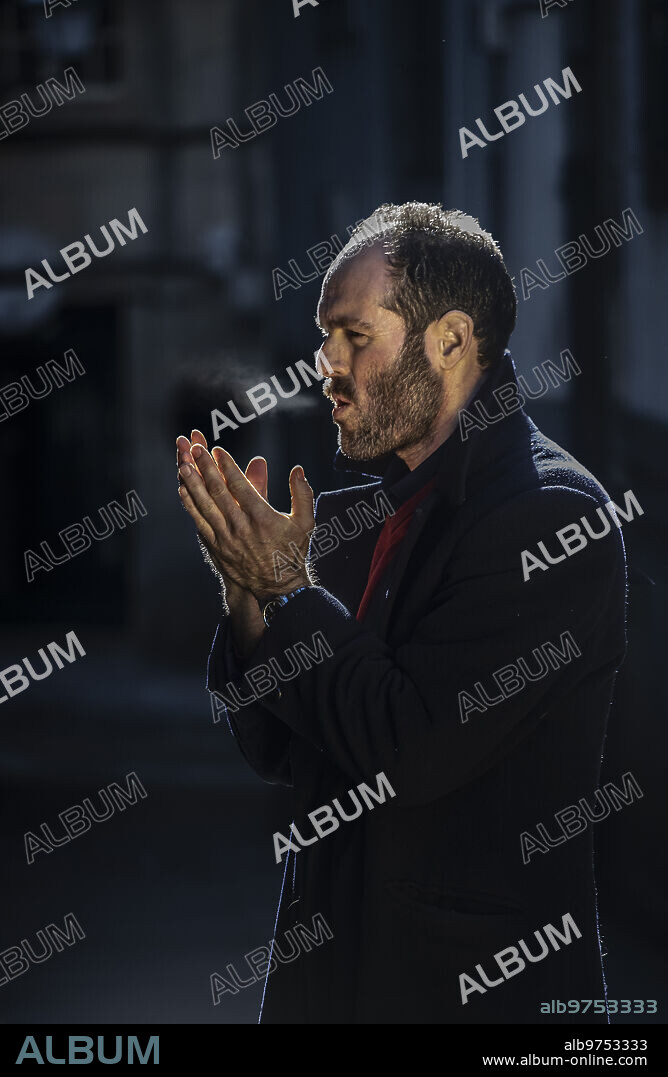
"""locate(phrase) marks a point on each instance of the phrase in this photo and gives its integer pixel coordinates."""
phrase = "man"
(456, 667)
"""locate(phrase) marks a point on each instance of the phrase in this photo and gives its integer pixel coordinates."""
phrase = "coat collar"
(471, 446)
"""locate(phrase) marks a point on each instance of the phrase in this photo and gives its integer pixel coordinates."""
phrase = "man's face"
(387, 392)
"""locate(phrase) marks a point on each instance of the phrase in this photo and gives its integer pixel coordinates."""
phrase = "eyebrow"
(345, 322)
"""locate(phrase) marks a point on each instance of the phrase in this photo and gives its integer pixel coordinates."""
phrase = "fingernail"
(184, 471)
(197, 451)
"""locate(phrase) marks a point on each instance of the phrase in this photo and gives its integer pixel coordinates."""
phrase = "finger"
(216, 486)
(204, 503)
(241, 489)
(182, 446)
(197, 438)
(257, 475)
(301, 494)
(204, 528)
(184, 453)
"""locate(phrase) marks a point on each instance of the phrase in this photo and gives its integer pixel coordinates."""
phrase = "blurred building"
(178, 322)
(185, 317)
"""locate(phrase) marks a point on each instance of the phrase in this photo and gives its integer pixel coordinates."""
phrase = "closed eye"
(353, 333)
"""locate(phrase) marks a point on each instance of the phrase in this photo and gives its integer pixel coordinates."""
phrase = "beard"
(402, 405)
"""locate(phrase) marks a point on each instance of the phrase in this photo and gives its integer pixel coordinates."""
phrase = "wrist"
(271, 607)
(237, 598)
(285, 587)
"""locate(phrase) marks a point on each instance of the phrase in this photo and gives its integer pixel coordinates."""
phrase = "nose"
(330, 361)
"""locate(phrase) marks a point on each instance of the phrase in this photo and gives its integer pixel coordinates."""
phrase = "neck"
(414, 455)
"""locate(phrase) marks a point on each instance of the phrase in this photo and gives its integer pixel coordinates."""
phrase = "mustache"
(339, 387)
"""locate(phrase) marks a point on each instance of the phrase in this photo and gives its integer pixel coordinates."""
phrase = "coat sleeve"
(406, 711)
(264, 740)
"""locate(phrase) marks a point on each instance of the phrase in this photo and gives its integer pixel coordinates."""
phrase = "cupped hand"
(244, 535)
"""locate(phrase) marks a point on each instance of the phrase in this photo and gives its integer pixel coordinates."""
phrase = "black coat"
(432, 882)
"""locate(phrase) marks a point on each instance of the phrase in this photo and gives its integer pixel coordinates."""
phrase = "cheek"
(369, 363)
(360, 375)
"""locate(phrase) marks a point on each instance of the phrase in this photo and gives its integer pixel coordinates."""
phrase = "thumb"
(301, 494)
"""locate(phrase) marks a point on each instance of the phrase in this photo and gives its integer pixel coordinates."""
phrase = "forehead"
(356, 289)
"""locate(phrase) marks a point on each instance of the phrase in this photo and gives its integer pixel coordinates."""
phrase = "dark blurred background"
(185, 318)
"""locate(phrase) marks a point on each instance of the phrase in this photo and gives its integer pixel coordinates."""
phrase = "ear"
(454, 337)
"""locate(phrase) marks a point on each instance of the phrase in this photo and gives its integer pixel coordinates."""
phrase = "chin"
(356, 451)
(349, 448)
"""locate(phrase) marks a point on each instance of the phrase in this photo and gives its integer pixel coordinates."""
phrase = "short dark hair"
(441, 260)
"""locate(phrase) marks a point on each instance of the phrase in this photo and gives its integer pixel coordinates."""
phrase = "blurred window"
(655, 43)
(85, 36)
(81, 423)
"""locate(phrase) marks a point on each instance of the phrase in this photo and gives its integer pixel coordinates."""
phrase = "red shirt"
(394, 529)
